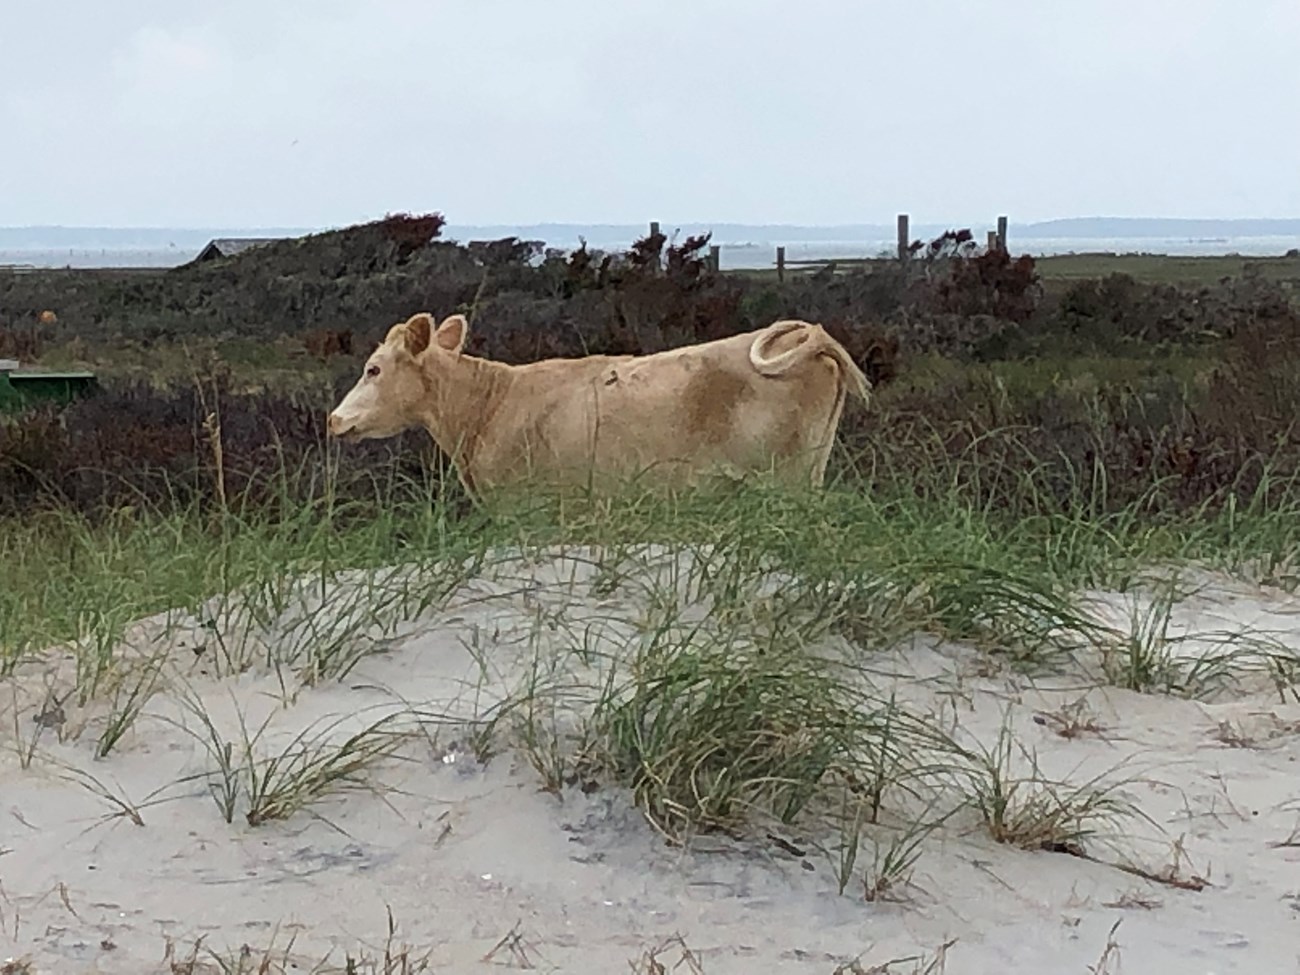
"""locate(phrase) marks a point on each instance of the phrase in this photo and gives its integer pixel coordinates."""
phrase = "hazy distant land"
(1078, 227)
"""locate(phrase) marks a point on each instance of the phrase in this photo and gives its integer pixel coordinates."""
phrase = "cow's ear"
(419, 328)
(452, 332)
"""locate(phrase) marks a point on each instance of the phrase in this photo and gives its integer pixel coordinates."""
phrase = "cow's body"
(762, 401)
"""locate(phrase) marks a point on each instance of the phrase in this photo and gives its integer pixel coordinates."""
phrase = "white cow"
(769, 400)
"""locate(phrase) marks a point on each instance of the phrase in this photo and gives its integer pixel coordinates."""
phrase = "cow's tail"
(813, 340)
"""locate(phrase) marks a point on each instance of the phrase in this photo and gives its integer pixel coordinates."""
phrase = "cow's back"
(672, 414)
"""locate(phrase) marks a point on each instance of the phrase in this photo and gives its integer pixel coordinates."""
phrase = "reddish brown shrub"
(410, 233)
(992, 283)
(23, 344)
(325, 343)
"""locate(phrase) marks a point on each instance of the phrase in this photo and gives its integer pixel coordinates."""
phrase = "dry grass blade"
(274, 959)
(1292, 840)
(394, 959)
(649, 963)
(514, 945)
(922, 964)
(1108, 963)
(1134, 899)
(50, 713)
(1169, 877)
(244, 960)
(123, 808)
(1073, 720)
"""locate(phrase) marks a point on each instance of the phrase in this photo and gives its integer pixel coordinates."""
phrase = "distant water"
(734, 254)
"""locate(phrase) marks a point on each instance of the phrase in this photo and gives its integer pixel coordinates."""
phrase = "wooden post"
(715, 258)
(993, 241)
(654, 232)
(904, 239)
(780, 263)
(1002, 233)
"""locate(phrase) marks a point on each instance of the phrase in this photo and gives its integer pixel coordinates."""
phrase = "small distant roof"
(229, 246)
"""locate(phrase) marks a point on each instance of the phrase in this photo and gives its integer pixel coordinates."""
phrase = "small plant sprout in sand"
(1142, 660)
(224, 783)
(313, 765)
(132, 682)
(1032, 812)
(543, 722)
(888, 875)
(1148, 658)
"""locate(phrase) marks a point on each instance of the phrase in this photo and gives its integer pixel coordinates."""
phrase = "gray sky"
(323, 112)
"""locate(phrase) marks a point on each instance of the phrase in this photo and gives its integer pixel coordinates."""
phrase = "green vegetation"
(1194, 271)
(1188, 271)
(745, 715)
(1023, 448)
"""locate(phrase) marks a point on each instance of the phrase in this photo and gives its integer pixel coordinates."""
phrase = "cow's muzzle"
(340, 428)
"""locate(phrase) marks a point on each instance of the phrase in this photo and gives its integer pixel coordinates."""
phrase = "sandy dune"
(466, 855)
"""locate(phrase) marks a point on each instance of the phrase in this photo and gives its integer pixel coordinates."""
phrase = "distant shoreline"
(743, 254)
(728, 234)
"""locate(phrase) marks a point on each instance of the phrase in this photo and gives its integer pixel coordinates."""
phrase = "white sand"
(464, 854)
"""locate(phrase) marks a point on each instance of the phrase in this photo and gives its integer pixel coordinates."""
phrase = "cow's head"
(395, 386)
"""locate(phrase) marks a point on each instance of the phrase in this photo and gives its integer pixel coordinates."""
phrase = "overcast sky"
(323, 112)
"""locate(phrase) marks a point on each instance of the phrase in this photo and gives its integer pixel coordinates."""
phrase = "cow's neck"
(463, 395)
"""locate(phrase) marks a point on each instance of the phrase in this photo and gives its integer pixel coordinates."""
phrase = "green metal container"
(9, 398)
(22, 387)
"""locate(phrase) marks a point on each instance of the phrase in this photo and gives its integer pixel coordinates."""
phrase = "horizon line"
(852, 225)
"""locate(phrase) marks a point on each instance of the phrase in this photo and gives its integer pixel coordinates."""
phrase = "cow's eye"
(372, 371)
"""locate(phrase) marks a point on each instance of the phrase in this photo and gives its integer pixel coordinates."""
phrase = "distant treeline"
(527, 301)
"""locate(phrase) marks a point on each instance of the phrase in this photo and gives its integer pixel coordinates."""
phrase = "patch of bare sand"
(466, 855)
